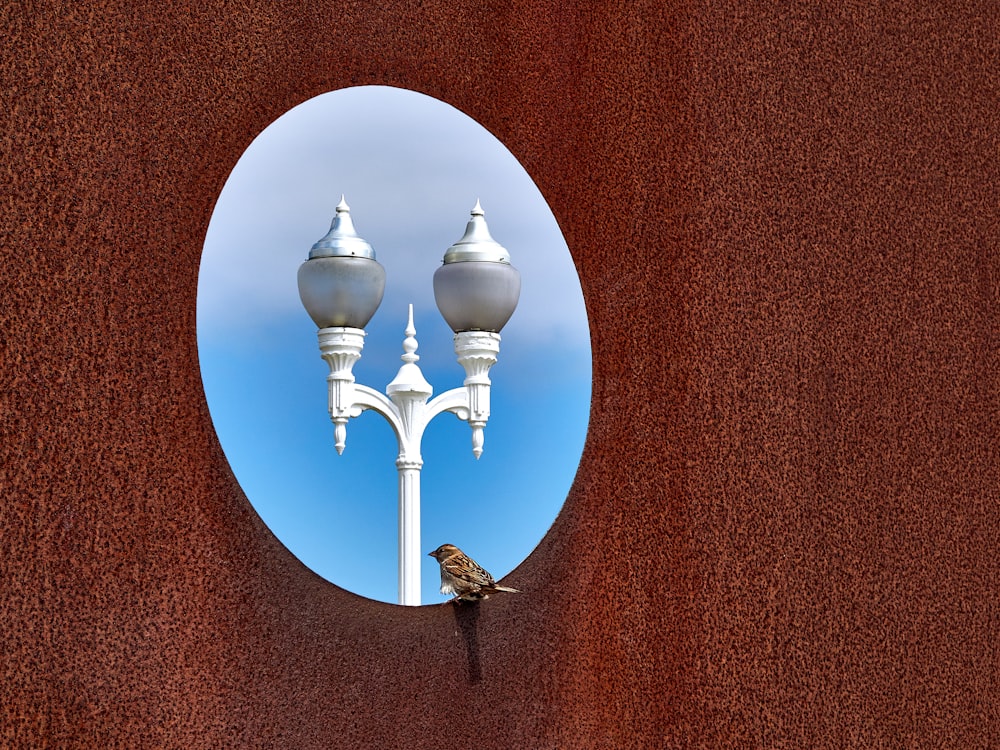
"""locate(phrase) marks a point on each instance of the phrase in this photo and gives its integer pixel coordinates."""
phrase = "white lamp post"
(476, 290)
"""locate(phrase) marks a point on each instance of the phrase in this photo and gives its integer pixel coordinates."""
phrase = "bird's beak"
(430, 554)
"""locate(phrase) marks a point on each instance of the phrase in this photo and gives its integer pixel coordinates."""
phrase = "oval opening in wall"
(411, 169)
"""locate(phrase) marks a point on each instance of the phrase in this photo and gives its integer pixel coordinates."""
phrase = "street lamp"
(476, 289)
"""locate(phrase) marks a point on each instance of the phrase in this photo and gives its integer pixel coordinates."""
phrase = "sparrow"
(463, 576)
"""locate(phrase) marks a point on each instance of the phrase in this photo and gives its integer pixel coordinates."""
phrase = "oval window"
(411, 168)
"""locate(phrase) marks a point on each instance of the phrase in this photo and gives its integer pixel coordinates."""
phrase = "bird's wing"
(466, 569)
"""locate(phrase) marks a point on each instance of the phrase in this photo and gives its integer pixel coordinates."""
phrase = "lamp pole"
(476, 290)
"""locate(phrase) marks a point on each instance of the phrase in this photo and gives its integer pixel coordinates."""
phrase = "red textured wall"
(784, 530)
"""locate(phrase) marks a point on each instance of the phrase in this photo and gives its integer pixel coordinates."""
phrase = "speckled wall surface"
(784, 530)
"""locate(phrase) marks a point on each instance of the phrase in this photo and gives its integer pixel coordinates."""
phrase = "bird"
(463, 576)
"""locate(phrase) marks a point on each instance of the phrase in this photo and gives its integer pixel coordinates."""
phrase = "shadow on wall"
(467, 619)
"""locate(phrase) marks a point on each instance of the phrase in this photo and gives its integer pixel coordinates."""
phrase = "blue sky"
(411, 168)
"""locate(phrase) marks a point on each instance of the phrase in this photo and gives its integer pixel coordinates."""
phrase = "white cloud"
(412, 168)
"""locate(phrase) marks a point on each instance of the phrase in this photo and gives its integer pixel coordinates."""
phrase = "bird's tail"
(506, 589)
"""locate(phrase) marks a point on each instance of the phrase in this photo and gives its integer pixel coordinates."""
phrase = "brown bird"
(463, 576)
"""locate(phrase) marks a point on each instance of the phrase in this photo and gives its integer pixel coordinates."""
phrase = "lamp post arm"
(463, 403)
(456, 401)
(369, 398)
